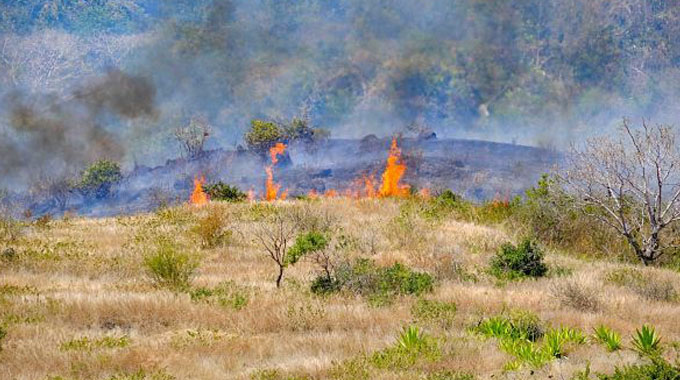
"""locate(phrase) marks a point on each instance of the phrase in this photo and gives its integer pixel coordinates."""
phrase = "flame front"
(394, 170)
(198, 196)
(271, 188)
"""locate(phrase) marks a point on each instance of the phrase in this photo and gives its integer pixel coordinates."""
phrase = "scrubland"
(79, 299)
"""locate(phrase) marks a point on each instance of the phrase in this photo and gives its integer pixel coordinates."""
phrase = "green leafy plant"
(98, 179)
(222, 192)
(89, 344)
(434, 312)
(411, 345)
(646, 341)
(225, 294)
(523, 260)
(657, 369)
(170, 268)
(608, 337)
(211, 230)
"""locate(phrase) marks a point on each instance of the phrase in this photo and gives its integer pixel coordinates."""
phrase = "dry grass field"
(78, 302)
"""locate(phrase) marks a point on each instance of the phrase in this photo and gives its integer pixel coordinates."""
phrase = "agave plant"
(496, 327)
(411, 338)
(610, 338)
(646, 341)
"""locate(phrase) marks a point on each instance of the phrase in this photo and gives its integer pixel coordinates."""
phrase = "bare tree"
(630, 183)
(192, 137)
(275, 236)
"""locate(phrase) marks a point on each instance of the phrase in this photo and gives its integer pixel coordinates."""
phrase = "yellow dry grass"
(81, 277)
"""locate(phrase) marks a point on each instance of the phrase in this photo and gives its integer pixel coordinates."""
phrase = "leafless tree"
(192, 136)
(631, 183)
(275, 236)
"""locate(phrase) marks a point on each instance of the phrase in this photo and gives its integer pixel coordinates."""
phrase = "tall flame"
(272, 189)
(394, 170)
(198, 196)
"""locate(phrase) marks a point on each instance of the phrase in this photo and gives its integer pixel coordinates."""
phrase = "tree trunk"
(280, 277)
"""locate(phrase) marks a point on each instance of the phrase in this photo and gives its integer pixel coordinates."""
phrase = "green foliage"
(88, 344)
(168, 267)
(98, 179)
(658, 369)
(608, 337)
(220, 191)
(524, 260)
(450, 375)
(225, 294)
(517, 325)
(307, 243)
(646, 341)
(263, 135)
(556, 340)
(445, 204)
(434, 312)
(211, 229)
(3, 335)
(411, 346)
(382, 284)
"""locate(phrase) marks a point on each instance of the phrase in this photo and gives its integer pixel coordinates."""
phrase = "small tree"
(630, 183)
(192, 137)
(262, 135)
(98, 179)
(275, 235)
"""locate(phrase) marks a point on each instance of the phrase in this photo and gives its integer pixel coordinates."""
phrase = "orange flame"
(198, 196)
(394, 170)
(272, 189)
(330, 193)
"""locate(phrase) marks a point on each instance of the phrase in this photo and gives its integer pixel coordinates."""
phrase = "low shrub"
(434, 312)
(522, 325)
(647, 286)
(381, 284)
(658, 369)
(222, 192)
(168, 267)
(523, 260)
(225, 294)
(98, 179)
(211, 229)
(89, 344)
(411, 346)
(3, 334)
(576, 296)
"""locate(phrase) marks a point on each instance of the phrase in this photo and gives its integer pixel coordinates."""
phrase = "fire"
(394, 170)
(330, 193)
(198, 196)
(272, 189)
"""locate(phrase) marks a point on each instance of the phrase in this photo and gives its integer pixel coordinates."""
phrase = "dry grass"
(80, 278)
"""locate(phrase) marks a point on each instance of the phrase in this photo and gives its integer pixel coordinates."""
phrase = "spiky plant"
(646, 341)
(608, 337)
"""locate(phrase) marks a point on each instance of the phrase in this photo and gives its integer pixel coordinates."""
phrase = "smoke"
(55, 135)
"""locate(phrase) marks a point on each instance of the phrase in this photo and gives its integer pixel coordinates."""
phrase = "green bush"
(524, 260)
(411, 346)
(646, 341)
(170, 268)
(434, 312)
(211, 229)
(658, 369)
(222, 192)
(381, 284)
(98, 179)
(225, 294)
(520, 325)
(262, 135)
(608, 337)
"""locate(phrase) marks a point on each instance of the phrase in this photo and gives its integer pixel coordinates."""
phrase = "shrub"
(434, 312)
(608, 337)
(262, 135)
(225, 294)
(210, 229)
(646, 286)
(646, 341)
(575, 295)
(222, 192)
(380, 285)
(170, 268)
(524, 260)
(658, 369)
(411, 346)
(515, 325)
(98, 179)
(88, 344)
(3, 334)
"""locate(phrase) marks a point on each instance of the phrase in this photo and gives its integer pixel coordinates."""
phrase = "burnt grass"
(478, 170)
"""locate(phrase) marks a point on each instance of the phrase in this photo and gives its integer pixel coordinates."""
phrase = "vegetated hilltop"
(410, 288)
